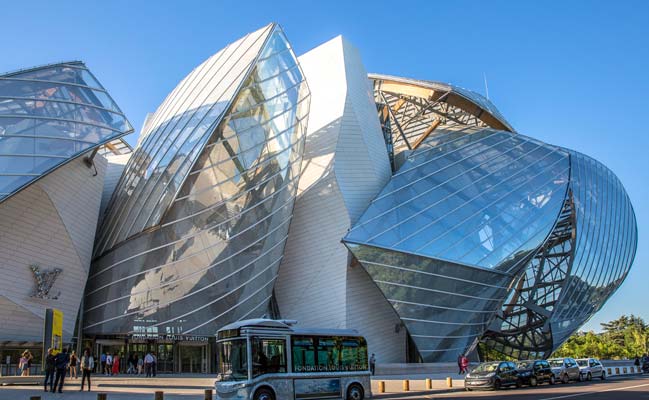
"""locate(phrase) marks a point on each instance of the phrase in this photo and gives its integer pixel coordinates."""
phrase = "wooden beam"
(426, 133)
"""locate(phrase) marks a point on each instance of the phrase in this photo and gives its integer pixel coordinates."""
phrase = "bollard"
(159, 396)
(35, 398)
(208, 394)
(406, 385)
(381, 386)
(429, 383)
(102, 396)
(449, 381)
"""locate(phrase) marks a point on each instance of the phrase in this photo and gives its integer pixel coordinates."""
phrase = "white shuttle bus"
(262, 359)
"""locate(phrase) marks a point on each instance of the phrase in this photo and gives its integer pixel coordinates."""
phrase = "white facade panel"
(344, 166)
(51, 224)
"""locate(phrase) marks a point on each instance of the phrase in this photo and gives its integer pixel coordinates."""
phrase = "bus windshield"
(233, 360)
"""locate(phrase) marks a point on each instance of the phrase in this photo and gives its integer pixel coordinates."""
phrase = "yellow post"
(102, 396)
(159, 396)
(381, 386)
(208, 394)
(449, 381)
(429, 383)
(406, 385)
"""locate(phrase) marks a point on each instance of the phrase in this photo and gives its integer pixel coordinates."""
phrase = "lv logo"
(44, 282)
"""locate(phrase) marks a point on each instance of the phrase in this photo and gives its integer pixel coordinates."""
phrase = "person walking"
(73, 365)
(148, 361)
(87, 365)
(140, 364)
(61, 362)
(49, 369)
(30, 357)
(102, 363)
(154, 364)
(459, 364)
(129, 362)
(23, 364)
(464, 364)
(109, 364)
(372, 364)
(115, 364)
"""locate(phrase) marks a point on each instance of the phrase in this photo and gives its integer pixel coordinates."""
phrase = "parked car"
(591, 368)
(492, 375)
(533, 372)
(565, 369)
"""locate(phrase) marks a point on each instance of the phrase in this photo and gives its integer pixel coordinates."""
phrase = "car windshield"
(556, 363)
(582, 363)
(486, 367)
(525, 364)
(233, 360)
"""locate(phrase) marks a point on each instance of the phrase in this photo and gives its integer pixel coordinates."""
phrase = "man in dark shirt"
(61, 362)
(49, 369)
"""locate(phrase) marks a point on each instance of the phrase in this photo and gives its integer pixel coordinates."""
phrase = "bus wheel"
(264, 394)
(355, 392)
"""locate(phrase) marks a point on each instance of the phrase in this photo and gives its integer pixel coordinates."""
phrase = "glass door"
(193, 359)
(165, 356)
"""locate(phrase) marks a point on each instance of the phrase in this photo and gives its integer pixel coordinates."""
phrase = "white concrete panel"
(344, 166)
(114, 170)
(50, 223)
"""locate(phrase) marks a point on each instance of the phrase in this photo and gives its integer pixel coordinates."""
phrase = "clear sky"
(575, 74)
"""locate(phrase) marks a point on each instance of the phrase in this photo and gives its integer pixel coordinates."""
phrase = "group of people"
(137, 365)
(56, 366)
(463, 364)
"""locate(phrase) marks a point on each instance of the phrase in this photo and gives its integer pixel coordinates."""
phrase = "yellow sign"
(57, 330)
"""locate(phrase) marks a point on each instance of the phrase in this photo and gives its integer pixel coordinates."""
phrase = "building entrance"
(193, 358)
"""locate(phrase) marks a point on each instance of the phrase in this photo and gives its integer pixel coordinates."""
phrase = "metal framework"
(410, 111)
(523, 330)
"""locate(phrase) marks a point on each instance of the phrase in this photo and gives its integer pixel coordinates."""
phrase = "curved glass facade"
(48, 116)
(196, 228)
(491, 236)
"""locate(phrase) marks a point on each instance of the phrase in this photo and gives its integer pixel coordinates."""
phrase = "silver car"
(591, 368)
(565, 369)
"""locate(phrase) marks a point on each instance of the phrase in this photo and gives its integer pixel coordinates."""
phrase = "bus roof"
(288, 326)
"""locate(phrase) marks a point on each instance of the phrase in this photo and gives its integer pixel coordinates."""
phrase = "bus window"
(354, 354)
(268, 356)
(233, 356)
(328, 352)
(303, 354)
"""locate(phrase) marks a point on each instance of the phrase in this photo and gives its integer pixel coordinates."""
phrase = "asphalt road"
(627, 388)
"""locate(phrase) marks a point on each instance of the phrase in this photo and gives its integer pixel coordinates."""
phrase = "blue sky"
(573, 74)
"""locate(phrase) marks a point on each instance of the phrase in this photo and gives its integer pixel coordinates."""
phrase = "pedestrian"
(61, 362)
(30, 357)
(87, 365)
(154, 364)
(129, 362)
(465, 364)
(459, 364)
(50, 368)
(102, 363)
(115, 364)
(109, 364)
(372, 364)
(73, 365)
(140, 365)
(23, 364)
(148, 360)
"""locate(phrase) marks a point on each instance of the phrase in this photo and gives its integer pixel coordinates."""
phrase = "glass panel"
(268, 356)
(232, 359)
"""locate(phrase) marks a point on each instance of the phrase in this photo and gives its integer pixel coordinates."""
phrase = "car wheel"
(565, 379)
(589, 377)
(533, 381)
(581, 377)
(603, 375)
(497, 384)
(553, 380)
(264, 394)
(355, 392)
